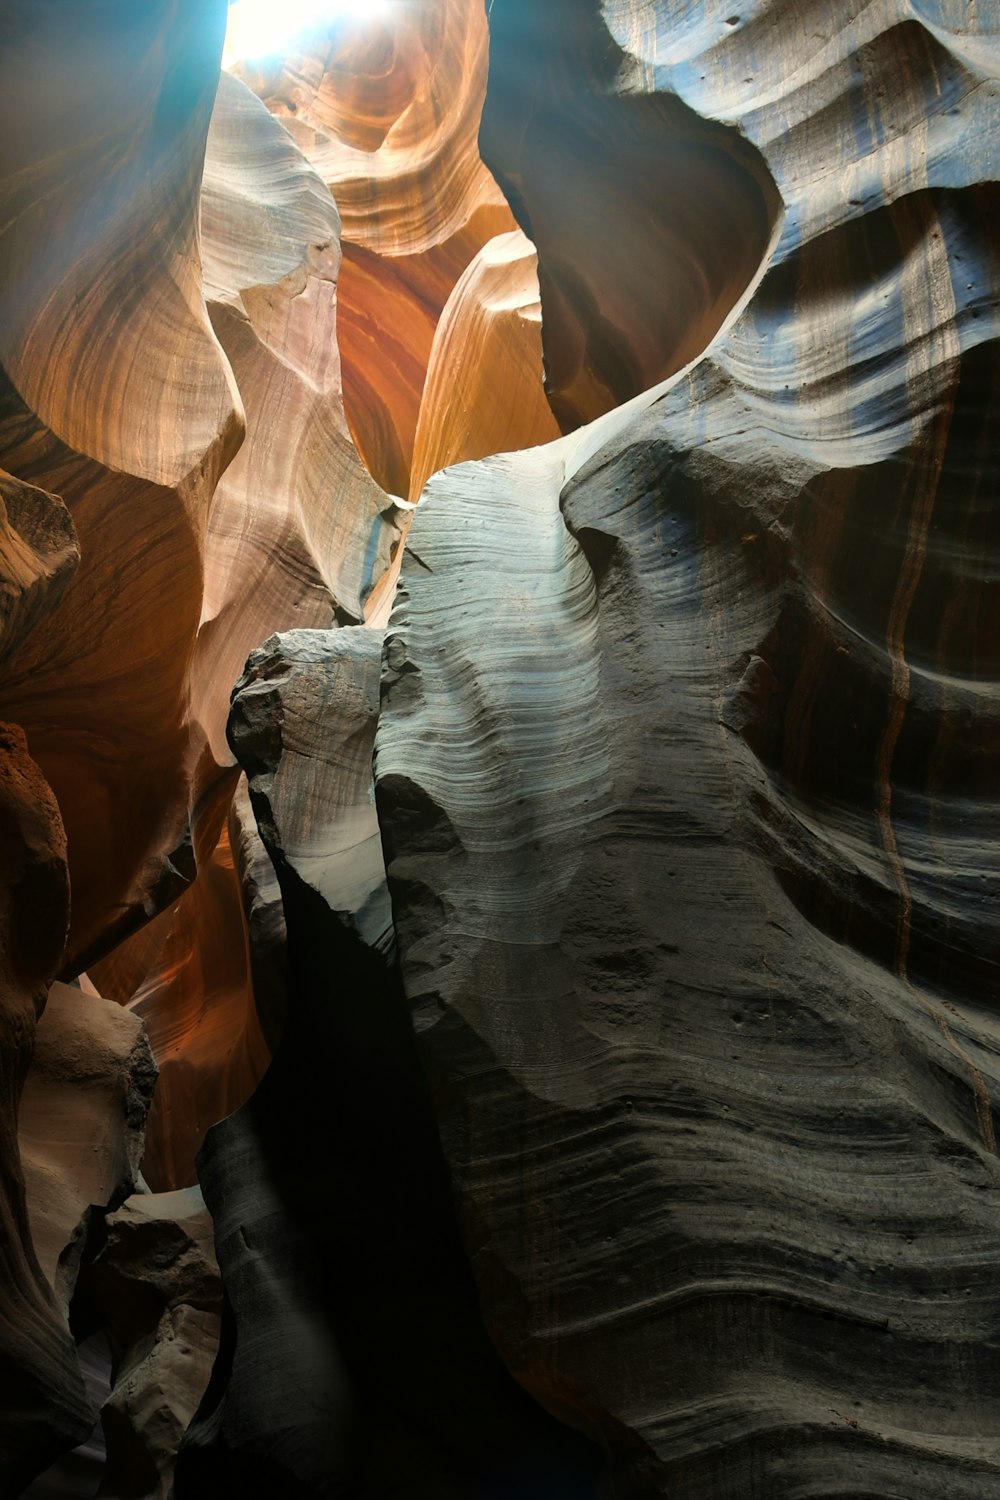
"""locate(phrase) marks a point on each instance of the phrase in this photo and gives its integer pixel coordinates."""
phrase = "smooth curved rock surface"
(687, 774)
(263, 914)
(38, 554)
(388, 111)
(687, 771)
(117, 399)
(298, 534)
(187, 976)
(483, 393)
(353, 1360)
(649, 219)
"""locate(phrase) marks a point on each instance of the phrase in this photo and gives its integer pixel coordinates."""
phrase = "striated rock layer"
(683, 1082)
(687, 773)
(353, 1359)
(387, 109)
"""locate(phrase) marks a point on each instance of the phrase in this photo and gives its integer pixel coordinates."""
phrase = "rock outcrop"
(387, 110)
(81, 1124)
(117, 400)
(158, 1284)
(355, 1355)
(603, 1102)
(686, 774)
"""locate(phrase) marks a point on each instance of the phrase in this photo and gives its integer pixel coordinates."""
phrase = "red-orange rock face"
(388, 113)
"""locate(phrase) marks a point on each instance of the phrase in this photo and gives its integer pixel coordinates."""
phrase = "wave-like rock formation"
(387, 110)
(602, 1102)
(688, 769)
(649, 219)
(81, 1124)
(354, 1360)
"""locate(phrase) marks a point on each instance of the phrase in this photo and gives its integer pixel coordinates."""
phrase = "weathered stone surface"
(687, 775)
(387, 109)
(43, 1405)
(81, 1123)
(355, 1361)
(158, 1283)
(483, 393)
(78, 1472)
(298, 534)
(186, 974)
(303, 723)
(688, 768)
(263, 913)
(116, 398)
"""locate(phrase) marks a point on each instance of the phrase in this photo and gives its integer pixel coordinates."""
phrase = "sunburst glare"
(258, 28)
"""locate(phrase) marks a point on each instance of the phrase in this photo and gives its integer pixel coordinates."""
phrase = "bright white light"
(258, 28)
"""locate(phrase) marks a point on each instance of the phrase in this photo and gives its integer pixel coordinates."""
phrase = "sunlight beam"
(260, 28)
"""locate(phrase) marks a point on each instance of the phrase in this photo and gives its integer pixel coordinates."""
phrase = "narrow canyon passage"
(500, 757)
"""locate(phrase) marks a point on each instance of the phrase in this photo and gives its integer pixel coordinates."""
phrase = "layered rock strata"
(116, 399)
(686, 771)
(158, 1284)
(387, 109)
(354, 1360)
(686, 1080)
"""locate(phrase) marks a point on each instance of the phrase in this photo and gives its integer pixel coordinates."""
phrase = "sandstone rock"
(186, 975)
(43, 1405)
(355, 1355)
(650, 218)
(303, 723)
(80, 1126)
(298, 534)
(158, 1282)
(685, 774)
(117, 399)
(387, 111)
(263, 914)
(483, 392)
(686, 771)
(79, 1471)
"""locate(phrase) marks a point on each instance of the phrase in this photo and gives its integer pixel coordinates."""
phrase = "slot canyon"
(500, 752)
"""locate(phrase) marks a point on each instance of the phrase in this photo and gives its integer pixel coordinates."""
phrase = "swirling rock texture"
(117, 400)
(120, 411)
(298, 533)
(666, 1145)
(354, 1360)
(387, 109)
(687, 774)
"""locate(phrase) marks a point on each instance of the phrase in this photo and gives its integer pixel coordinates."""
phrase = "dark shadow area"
(354, 1361)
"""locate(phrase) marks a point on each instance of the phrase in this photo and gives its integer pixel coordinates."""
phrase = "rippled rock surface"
(687, 771)
(602, 1102)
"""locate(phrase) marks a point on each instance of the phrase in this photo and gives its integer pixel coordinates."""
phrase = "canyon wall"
(567, 969)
